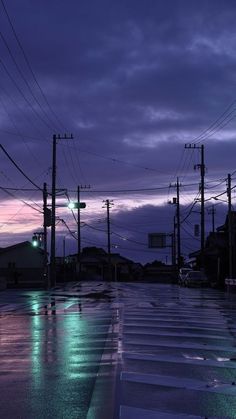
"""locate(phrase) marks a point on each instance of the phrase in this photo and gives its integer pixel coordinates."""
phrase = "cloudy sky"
(133, 81)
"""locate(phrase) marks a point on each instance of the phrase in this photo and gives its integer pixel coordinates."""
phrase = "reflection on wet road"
(140, 351)
(52, 348)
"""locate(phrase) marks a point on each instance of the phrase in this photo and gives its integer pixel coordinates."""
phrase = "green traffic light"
(35, 242)
(75, 205)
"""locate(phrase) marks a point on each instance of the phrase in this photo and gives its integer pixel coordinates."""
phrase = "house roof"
(116, 257)
(217, 239)
(90, 259)
(18, 246)
(95, 251)
(97, 254)
(224, 227)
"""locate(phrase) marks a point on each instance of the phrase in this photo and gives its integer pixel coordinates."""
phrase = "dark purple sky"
(133, 81)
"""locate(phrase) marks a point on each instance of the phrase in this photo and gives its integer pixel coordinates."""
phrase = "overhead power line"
(24, 78)
(223, 119)
(23, 95)
(21, 200)
(129, 240)
(18, 168)
(115, 160)
(67, 227)
(29, 65)
(205, 133)
(133, 190)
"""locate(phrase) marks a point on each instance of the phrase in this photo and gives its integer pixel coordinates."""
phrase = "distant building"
(22, 265)
(158, 271)
(94, 265)
(216, 253)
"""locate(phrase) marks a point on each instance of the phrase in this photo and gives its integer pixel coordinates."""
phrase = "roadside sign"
(156, 240)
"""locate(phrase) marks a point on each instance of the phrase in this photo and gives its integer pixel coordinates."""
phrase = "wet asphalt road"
(52, 347)
(140, 351)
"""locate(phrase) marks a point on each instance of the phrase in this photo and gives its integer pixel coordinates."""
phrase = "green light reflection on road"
(74, 329)
(36, 353)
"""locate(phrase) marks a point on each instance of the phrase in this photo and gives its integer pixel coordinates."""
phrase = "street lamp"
(75, 205)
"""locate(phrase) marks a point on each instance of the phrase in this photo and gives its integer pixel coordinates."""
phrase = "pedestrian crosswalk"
(178, 355)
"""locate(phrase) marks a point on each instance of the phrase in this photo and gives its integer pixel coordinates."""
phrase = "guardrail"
(230, 285)
(230, 281)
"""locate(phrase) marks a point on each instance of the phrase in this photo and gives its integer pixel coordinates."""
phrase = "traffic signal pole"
(79, 206)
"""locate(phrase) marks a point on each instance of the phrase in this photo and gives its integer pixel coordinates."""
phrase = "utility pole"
(174, 243)
(177, 224)
(230, 241)
(108, 204)
(78, 220)
(78, 228)
(201, 166)
(53, 227)
(45, 224)
(202, 169)
(212, 212)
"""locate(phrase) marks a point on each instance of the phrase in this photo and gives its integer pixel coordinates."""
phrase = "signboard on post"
(156, 240)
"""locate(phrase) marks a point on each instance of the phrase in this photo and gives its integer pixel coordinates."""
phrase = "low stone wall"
(3, 283)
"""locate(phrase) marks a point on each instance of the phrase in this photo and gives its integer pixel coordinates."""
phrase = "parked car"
(182, 274)
(196, 279)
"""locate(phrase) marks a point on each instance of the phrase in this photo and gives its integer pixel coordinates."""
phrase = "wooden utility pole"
(179, 259)
(177, 236)
(79, 223)
(78, 228)
(45, 225)
(202, 170)
(230, 241)
(174, 243)
(53, 227)
(108, 204)
(201, 166)
(212, 212)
